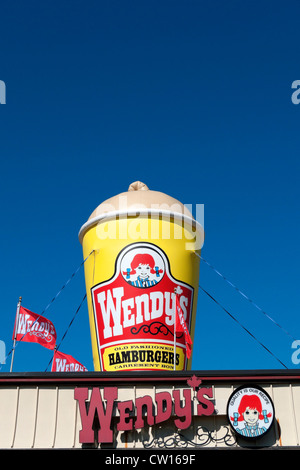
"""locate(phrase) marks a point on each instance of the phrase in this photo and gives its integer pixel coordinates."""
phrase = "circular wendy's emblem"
(142, 266)
(250, 411)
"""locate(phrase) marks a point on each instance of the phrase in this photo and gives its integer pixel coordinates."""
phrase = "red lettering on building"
(97, 411)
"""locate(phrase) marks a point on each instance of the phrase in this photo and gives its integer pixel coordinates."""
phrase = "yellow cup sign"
(132, 278)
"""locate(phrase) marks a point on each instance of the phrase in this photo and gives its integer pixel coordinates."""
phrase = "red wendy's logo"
(134, 311)
(250, 411)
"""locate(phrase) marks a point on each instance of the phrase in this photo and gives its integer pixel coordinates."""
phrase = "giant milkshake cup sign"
(144, 245)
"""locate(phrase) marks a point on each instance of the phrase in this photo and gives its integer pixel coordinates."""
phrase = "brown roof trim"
(77, 378)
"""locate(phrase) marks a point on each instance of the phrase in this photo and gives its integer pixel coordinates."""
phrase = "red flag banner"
(66, 363)
(181, 326)
(34, 328)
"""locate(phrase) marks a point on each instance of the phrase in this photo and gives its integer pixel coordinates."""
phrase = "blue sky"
(194, 99)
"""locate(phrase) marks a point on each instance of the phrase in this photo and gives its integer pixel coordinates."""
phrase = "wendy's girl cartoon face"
(250, 411)
(251, 416)
(143, 271)
(142, 267)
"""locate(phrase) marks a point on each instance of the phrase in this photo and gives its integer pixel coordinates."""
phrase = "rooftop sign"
(178, 403)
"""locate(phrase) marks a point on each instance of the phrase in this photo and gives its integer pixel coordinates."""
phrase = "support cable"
(246, 297)
(242, 326)
(65, 333)
(49, 304)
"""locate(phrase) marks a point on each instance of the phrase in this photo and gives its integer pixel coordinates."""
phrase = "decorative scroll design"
(203, 437)
(154, 329)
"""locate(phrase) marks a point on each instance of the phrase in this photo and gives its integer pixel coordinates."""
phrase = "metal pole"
(15, 335)
(54, 350)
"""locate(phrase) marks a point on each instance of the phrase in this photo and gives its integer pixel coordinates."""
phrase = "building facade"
(150, 410)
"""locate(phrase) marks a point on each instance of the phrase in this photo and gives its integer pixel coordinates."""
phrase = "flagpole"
(54, 350)
(15, 335)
